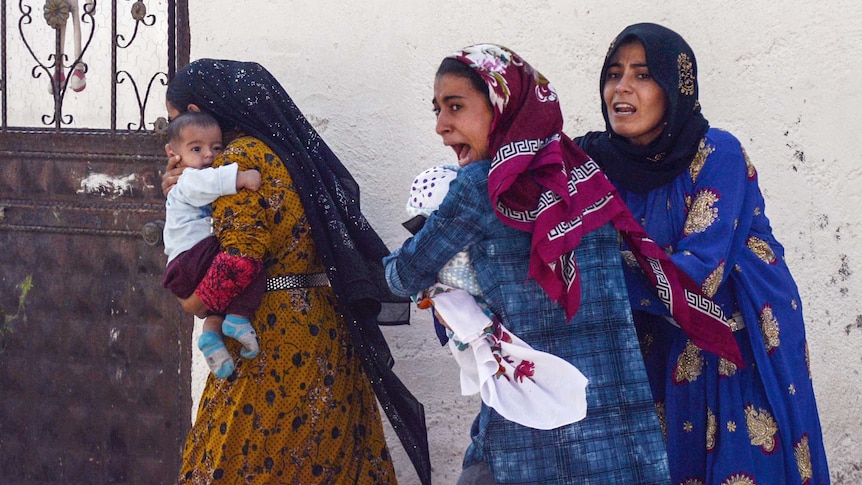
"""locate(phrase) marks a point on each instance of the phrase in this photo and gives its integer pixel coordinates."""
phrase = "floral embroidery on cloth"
(518, 381)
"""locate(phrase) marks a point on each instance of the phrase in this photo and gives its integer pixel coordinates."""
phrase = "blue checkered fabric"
(620, 441)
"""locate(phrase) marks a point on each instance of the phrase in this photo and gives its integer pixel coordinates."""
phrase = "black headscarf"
(245, 97)
(672, 64)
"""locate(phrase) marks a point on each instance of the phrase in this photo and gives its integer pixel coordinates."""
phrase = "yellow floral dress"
(302, 411)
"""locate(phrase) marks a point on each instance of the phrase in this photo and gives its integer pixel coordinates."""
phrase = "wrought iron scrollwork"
(139, 14)
(65, 72)
(142, 102)
(57, 14)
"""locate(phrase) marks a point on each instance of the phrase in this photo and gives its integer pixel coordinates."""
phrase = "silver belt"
(291, 281)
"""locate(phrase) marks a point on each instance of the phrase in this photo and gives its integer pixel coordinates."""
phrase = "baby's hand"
(248, 179)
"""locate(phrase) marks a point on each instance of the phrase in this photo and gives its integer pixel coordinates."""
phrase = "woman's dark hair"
(458, 68)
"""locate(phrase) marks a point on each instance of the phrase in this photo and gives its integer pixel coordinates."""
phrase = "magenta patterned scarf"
(542, 183)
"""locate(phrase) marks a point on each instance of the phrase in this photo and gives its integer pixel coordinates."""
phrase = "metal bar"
(113, 127)
(183, 44)
(3, 108)
(172, 35)
(82, 205)
(65, 156)
(70, 230)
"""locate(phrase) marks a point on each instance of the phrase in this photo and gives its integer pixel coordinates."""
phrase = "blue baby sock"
(216, 354)
(239, 328)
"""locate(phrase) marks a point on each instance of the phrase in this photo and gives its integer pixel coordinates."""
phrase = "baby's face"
(199, 146)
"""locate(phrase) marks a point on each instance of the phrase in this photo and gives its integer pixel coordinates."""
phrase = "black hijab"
(245, 97)
(672, 64)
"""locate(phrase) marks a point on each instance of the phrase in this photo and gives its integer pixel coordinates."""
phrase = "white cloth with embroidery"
(532, 388)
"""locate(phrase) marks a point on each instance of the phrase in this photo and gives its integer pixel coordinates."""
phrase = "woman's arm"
(714, 225)
(241, 224)
(451, 228)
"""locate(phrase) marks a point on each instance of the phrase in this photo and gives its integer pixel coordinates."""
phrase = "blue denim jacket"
(620, 441)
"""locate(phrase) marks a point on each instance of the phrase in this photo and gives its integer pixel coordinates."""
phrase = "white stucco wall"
(782, 77)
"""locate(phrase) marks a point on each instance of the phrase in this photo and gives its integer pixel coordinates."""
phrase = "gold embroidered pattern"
(769, 329)
(792, 390)
(739, 479)
(712, 282)
(629, 259)
(725, 367)
(793, 304)
(689, 364)
(646, 344)
(731, 426)
(703, 152)
(686, 74)
(645, 302)
(761, 249)
(687, 426)
(807, 361)
(662, 418)
(711, 428)
(692, 481)
(803, 459)
(702, 213)
(611, 48)
(761, 428)
(687, 202)
(751, 171)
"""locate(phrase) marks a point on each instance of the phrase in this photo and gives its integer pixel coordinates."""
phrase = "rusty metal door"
(94, 353)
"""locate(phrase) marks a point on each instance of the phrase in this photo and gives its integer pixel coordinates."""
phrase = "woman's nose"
(624, 85)
(442, 124)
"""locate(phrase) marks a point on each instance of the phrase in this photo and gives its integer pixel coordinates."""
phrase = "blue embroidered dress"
(757, 425)
(620, 439)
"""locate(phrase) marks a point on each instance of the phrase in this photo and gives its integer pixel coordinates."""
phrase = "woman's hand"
(173, 170)
(194, 305)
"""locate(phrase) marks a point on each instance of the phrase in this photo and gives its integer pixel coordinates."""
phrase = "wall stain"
(857, 325)
(822, 221)
(844, 270)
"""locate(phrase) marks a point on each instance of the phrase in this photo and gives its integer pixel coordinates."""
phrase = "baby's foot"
(216, 354)
(240, 328)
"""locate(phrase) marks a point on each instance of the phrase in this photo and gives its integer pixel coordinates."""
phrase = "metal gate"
(94, 353)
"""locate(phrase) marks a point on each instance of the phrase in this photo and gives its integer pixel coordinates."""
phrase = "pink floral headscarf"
(543, 183)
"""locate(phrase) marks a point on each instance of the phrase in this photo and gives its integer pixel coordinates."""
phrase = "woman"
(303, 410)
(492, 104)
(696, 192)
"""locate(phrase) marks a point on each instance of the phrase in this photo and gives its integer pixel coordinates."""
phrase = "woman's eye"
(455, 107)
(436, 111)
(196, 149)
(612, 75)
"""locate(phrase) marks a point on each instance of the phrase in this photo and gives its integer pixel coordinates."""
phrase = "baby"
(189, 242)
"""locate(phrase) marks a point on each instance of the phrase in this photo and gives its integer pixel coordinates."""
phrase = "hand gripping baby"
(532, 388)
